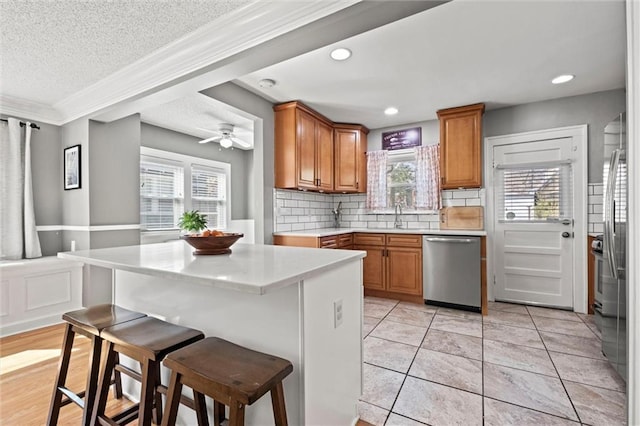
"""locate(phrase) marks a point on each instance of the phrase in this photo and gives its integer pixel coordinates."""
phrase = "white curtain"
(376, 180)
(428, 177)
(17, 219)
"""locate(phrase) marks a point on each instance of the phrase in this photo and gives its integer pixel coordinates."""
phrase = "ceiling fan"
(226, 137)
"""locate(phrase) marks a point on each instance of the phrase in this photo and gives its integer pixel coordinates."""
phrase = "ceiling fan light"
(226, 143)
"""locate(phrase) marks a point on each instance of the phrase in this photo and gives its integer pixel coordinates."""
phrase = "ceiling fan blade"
(211, 139)
(240, 142)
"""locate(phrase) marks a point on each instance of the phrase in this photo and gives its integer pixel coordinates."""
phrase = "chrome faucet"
(336, 215)
(398, 223)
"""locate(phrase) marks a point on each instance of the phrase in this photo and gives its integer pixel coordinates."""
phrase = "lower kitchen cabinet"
(404, 270)
(393, 266)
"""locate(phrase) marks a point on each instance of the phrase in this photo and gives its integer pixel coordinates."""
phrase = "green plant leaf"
(192, 221)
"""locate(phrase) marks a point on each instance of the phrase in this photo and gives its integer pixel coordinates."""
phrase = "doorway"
(536, 210)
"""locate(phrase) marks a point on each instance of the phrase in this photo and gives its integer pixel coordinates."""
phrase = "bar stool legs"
(231, 375)
(146, 340)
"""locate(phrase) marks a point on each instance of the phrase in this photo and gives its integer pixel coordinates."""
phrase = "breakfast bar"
(301, 304)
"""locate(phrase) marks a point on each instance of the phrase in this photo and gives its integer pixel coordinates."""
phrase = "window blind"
(161, 193)
(209, 194)
(534, 193)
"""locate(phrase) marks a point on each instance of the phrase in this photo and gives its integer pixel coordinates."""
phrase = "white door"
(533, 218)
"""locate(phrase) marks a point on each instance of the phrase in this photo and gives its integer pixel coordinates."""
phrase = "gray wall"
(261, 111)
(594, 109)
(114, 157)
(168, 140)
(75, 202)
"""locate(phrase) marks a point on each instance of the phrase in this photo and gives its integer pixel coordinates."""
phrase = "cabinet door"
(324, 164)
(404, 270)
(460, 142)
(306, 150)
(373, 267)
(347, 147)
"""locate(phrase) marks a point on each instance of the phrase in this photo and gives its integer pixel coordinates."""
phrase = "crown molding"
(220, 39)
(22, 108)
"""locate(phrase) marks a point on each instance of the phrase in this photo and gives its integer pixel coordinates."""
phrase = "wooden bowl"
(213, 244)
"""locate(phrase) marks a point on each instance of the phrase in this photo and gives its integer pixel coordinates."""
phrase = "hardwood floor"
(28, 365)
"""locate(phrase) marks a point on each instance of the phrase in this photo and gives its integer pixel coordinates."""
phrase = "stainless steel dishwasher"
(451, 271)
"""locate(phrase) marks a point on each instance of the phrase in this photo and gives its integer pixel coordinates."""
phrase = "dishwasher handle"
(450, 240)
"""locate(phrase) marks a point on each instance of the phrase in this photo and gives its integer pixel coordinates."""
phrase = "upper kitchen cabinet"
(460, 146)
(303, 148)
(350, 146)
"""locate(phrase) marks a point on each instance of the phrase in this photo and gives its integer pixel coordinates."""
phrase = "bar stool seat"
(146, 340)
(88, 322)
(230, 374)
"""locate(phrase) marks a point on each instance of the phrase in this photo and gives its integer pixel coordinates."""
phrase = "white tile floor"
(518, 365)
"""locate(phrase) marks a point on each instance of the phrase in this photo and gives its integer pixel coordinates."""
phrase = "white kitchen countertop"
(323, 232)
(249, 268)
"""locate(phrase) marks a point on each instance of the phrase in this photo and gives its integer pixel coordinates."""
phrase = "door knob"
(566, 234)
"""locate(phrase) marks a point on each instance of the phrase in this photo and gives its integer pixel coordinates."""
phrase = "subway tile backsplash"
(299, 210)
(594, 208)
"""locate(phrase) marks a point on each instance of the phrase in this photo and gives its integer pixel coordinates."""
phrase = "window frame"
(186, 162)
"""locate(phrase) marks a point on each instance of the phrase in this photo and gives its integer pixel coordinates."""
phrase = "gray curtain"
(19, 238)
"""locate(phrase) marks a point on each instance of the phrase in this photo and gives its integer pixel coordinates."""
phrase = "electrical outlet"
(337, 313)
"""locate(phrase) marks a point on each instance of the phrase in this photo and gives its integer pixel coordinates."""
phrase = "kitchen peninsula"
(278, 300)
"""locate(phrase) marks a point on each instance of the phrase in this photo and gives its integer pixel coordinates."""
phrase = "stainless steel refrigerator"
(614, 314)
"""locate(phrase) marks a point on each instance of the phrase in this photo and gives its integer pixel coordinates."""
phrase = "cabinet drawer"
(329, 242)
(404, 240)
(369, 239)
(345, 240)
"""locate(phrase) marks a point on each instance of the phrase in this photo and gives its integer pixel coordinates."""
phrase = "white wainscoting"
(36, 292)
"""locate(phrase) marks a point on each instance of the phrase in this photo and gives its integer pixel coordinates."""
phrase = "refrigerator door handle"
(609, 213)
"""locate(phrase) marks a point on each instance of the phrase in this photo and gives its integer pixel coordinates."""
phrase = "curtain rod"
(22, 124)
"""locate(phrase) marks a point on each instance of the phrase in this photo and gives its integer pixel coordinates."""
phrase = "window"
(171, 184)
(208, 194)
(535, 193)
(409, 178)
(401, 179)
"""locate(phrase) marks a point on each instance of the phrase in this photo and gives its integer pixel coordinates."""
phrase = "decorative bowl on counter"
(213, 244)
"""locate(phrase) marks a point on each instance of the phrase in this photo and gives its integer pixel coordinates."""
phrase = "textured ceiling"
(52, 49)
(498, 52)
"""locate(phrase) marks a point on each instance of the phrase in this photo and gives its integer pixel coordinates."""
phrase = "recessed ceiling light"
(266, 82)
(340, 54)
(391, 111)
(562, 79)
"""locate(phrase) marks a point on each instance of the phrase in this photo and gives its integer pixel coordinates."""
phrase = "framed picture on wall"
(72, 167)
(402, 139)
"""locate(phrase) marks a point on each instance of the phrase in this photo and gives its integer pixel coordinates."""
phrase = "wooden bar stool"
(146, 340)
(230, 374)
(88, 322)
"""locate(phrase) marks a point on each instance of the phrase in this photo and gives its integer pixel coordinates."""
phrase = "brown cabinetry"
(303, 148)
(313, 153)
(393, 266)
(339, 241)
(350, 163)
(460, 146)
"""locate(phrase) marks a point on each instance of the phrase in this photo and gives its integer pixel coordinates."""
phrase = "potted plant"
(205, 242)
(192, 222)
